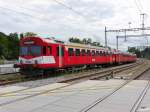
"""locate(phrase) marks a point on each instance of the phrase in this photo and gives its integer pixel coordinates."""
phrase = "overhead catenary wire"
(138, 7)
(68, 7)
(73, 10)
(25, 14)
(140, 4)
(76, 12)
(45, 19)
(12, 10)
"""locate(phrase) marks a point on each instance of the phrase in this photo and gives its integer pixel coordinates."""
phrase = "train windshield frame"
(30, 50)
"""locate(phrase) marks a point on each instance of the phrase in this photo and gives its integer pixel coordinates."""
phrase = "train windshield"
(30, 51)
(23, 51)
(35, 50)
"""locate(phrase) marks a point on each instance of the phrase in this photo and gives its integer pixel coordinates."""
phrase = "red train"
(41, 55)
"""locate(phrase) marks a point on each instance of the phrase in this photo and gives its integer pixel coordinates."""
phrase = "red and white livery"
(43, 54)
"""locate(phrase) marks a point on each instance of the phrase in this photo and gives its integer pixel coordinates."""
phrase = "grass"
(1, 61)
(11, 77)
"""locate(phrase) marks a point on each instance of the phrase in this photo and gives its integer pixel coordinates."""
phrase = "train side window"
(104, 53)
(97, 53)
(111, 53)
(101, 53)
(83, 52)
(88, 52)
(61, 52)
(70, 51)
(77, 52)
(107, 53)
(50, 49)
(44, 50)
(93, 53)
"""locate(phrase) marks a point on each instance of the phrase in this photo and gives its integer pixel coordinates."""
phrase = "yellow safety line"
(62, 91)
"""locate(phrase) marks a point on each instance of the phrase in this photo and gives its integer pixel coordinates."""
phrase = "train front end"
(32, 58)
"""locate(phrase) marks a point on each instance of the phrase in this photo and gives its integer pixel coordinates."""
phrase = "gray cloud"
(46, 17)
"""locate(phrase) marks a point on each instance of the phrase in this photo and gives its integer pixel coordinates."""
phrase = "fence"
(8, 68)
(2, 62)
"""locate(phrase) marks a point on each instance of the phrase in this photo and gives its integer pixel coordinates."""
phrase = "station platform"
(62, 97)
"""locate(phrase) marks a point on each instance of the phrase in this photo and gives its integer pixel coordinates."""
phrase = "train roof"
(81, 46)
(84, 46)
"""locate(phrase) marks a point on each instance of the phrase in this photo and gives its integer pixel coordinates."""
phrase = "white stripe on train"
(39, 60)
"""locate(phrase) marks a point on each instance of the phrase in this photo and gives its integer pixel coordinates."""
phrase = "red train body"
(45, 54)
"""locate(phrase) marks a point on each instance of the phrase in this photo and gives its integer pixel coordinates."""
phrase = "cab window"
(23, 50)
(35, 50)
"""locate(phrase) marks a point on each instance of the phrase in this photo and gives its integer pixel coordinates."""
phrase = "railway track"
(139, 100)
(47, 91)
(70, 78)
(100, 74)
(137, 103)
(145, 76)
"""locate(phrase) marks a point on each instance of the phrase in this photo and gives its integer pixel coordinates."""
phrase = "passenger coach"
(45, 54)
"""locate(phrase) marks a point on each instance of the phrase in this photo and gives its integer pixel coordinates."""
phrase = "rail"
(44, 92)
(100, 74)
(86, 109)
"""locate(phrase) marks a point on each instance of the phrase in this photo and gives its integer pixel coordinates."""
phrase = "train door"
(70, 58)
(111, 59)
(114, 58)
(117, 58)
(60, 55)
(88, 61)
(84, 56)
(77, 56)
(107, 57)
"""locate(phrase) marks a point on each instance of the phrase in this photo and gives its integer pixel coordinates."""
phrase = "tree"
(13, 46)
(96, 44)
(28, 34)
(146, 53)
(75, 40)
(89, 41)
(84, 41)
(71, 39)
(135, 51)
(3, 45)
(132, 49)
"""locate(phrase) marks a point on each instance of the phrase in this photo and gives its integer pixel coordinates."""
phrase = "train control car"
(39, 55)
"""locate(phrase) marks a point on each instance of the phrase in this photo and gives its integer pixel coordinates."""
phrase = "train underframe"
(38, 71)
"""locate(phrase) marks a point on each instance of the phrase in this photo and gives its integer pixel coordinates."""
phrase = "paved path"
(73, 98)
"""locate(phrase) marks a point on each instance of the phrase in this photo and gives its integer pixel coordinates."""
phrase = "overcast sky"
(88, 18)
